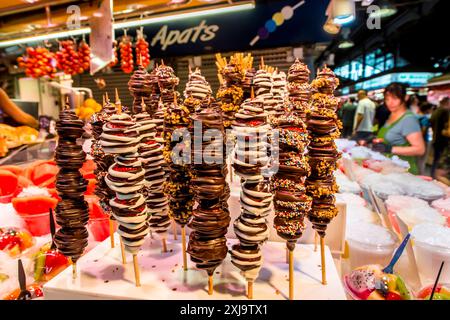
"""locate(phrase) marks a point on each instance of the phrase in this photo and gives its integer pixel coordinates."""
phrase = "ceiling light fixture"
(134, 23)
(330, 27)
(345, 44)
(342, 11)
(386, 10)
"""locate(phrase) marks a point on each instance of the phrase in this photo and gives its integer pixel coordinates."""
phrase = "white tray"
(101, 275)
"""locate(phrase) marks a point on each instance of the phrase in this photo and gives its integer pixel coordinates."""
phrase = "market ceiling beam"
(160, 18)
(27, 6)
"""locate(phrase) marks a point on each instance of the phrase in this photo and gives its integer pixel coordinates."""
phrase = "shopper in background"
(382, 113)
(414, 104)
(401, 134)
(347, 115)
(364, 116)
(423, 116)
(12, 110)
(439, 119)
(443, 168)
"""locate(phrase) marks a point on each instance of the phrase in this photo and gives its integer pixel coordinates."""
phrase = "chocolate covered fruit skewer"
(151, 156)
(72, 211)
(249, 161)
(323, 126)
(207, 242)
(290, 200)
(176, 123)
(126, 177)
(177, 186)
(140, 88)
(233, 78)
(103, 161)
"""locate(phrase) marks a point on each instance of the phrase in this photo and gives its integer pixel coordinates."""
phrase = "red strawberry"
(54, 261)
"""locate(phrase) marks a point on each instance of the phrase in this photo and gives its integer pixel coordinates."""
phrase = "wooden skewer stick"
(164, 245)
(74, 270)
(174, 229)
(322, 256)
(137, 275)
(210, 285)
(316, 240)
(111, 233)
(183, 244)
(122, 249)
(262, 63)
(106, 96)
(287, 255)
(151, 234)
(252, 93)
(250, 289)
(291, 274)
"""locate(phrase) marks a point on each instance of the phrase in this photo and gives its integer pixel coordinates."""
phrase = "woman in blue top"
(401, 134)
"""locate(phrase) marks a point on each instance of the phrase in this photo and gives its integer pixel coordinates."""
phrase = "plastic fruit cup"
(429, 260)
(37, 224)
(371, 244)
(99, 227)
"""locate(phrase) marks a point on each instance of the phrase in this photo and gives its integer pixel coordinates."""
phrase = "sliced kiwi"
(401, 288)
(39, 266)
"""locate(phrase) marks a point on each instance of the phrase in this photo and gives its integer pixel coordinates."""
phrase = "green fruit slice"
(402, 290)
(39, 266)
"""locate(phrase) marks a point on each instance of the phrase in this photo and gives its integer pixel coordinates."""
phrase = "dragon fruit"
(361, 282)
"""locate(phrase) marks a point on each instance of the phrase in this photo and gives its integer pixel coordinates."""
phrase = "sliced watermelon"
(50, 183)
(14, 169)
(34, 204)
(8, 182)
(44, 172)
(24, 182)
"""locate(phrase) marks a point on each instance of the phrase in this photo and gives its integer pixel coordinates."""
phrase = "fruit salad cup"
(48, 263)
(442, 292)
(15, 241)
(371, 283)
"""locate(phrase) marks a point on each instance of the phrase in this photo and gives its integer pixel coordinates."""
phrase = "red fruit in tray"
(393, 296)
(8, 182)
(54, 260)
(34, 289)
